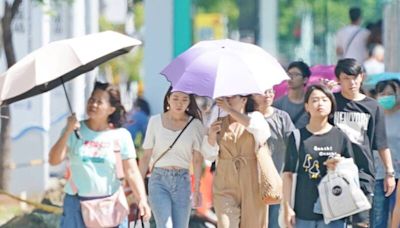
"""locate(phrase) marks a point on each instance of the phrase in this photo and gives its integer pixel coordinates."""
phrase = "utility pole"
(392, 36)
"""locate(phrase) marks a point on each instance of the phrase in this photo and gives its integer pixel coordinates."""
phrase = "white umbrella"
(60, 61)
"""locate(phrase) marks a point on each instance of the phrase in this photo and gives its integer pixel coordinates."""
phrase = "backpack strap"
(118, 160)
(297, 140)
(351, 41)
(71, 182)
(298, 115)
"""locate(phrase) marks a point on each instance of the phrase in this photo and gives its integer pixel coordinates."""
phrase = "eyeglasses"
(269, 92)
(292, 75)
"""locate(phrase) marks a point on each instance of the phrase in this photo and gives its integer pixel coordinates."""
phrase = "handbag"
(270, 182)
(338, 186)
(107, 211)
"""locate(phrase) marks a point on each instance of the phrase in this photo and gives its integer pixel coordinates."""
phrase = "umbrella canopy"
(318, 72)
(60, 61)
(373, 79)
(224, 68)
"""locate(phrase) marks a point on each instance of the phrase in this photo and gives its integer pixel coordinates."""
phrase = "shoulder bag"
(270, 181)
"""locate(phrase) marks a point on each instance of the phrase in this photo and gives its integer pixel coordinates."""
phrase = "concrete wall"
(37, 122)
(158, 50)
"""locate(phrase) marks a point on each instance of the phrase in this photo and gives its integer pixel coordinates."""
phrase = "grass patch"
(7, 212)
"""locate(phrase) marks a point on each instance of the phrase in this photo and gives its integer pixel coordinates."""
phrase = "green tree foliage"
(328, 17)
(129, 64)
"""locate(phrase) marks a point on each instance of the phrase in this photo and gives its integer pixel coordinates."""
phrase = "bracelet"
(390, 173)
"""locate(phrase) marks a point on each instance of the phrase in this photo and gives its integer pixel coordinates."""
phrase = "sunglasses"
(101, 85)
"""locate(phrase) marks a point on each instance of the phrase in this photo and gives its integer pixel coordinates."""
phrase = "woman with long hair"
(237, 137)
(169, 184)
(320, 143)
(92, 159)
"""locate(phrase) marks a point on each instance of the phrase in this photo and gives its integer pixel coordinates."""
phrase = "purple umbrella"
(224, 68)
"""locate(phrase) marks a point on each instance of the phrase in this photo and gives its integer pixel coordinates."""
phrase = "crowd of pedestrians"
(176, 143)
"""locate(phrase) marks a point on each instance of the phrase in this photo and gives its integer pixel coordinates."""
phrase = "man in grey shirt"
(293, 102)
(280, 127)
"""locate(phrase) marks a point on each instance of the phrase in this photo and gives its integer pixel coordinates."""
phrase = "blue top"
(138, 124)
(92, 160)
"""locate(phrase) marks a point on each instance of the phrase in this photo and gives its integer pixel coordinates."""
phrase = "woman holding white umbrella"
(236, 188)
(92, 159)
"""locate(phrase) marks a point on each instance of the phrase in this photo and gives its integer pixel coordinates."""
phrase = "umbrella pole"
(66, 96)
(76, 131)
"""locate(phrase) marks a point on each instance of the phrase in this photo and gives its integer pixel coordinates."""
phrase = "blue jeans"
(170, 197)
(72, 215)
(273, 214)
(300, 223)
(382, 205)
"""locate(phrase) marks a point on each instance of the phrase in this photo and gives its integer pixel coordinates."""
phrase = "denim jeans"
(382, 205)
(72, 215)
(273, 214)
(300, 223)
(170, 197)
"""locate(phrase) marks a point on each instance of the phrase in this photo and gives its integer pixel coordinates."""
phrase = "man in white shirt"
(351, 40)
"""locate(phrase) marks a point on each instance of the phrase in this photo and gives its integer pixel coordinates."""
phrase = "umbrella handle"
(76, 131)
(77, 134)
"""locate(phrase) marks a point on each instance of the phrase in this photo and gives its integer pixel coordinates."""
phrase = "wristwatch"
(390, 173)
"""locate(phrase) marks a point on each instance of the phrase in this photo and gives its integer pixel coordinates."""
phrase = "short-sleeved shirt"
(281, 127)
(160, 138)
(296, 111)
(363, 122)
(393, 137)
(314, 151)
(93, 162)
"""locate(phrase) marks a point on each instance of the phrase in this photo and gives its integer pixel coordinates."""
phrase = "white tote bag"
(339, 186)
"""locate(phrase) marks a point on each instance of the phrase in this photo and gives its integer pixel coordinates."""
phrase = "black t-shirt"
(314, 151)
(363, 122)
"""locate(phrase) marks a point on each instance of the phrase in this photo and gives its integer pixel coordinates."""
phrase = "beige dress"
(237, 198)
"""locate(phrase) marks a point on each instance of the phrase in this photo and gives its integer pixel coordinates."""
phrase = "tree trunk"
(5, 139)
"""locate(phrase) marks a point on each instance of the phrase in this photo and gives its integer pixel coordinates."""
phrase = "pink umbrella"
(318, 72)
